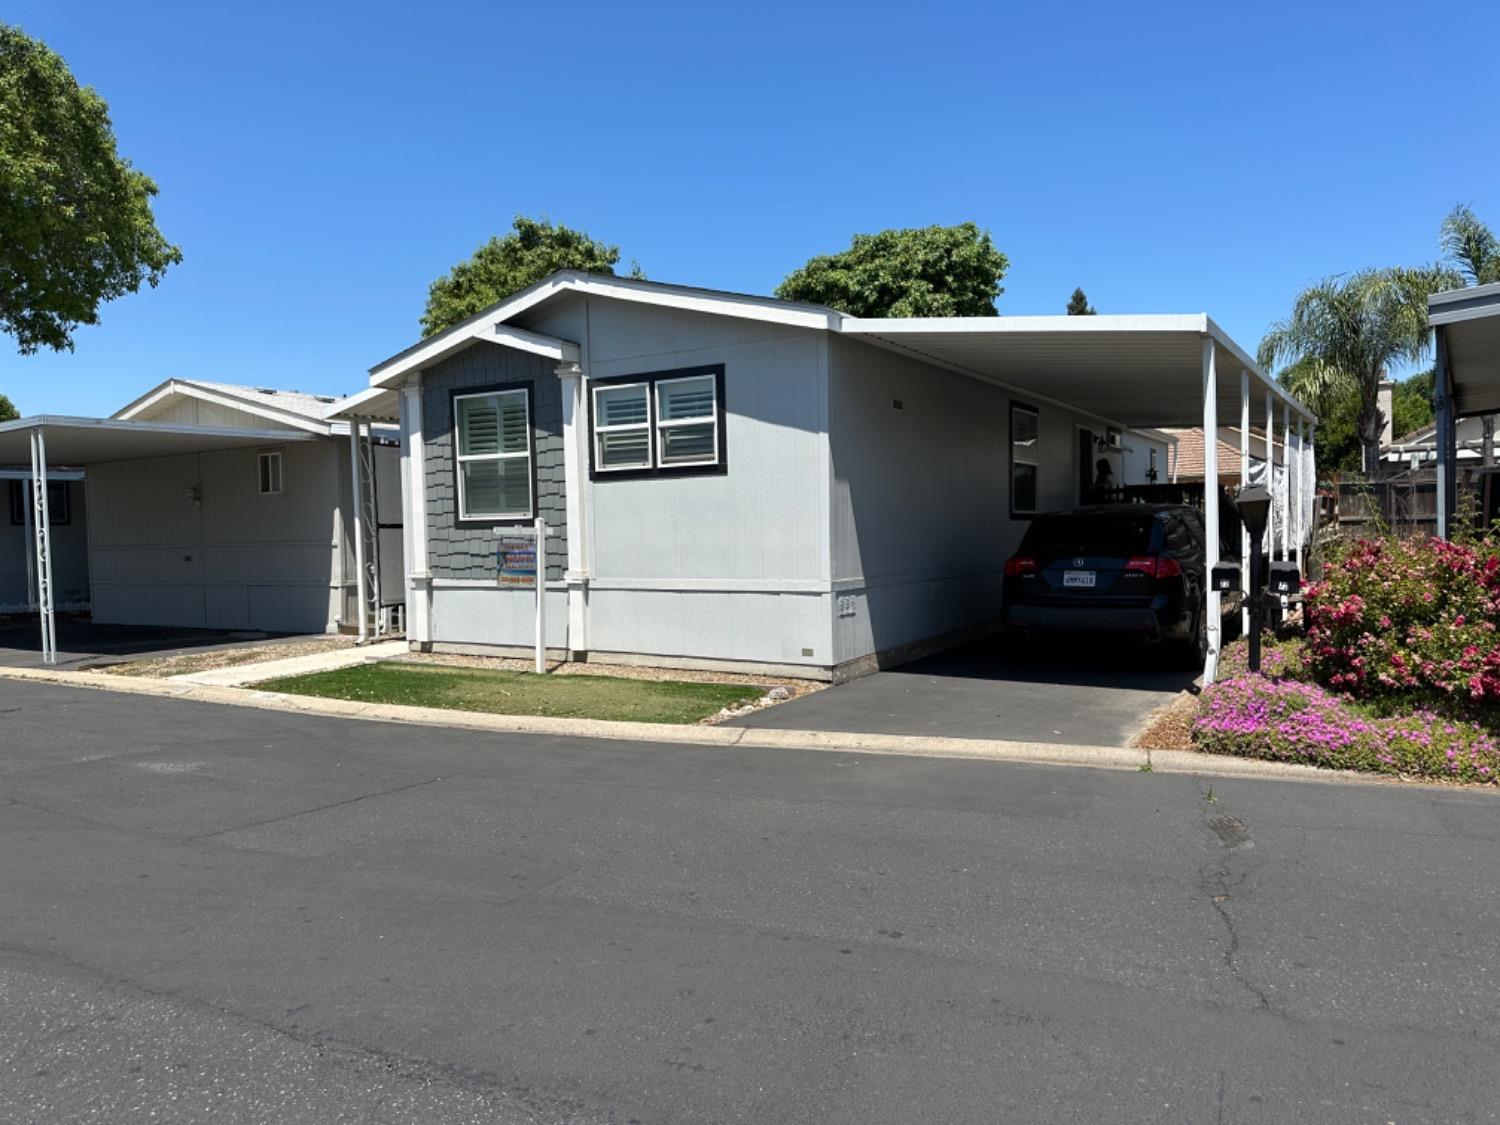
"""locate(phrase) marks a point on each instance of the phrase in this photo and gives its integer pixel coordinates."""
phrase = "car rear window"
(1104, 534)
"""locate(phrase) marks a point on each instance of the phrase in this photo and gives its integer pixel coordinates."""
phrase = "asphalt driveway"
(1085, 693)
(235, 915)
(81, 642)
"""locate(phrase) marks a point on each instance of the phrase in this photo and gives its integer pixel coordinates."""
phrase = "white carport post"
(1304, 491)
(356, 493)
(1288, 540)
(1211, 500)
(43, 526)
(1244, 481)
(1270, 432)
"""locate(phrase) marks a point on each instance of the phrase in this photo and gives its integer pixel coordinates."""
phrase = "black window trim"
(454, 394)
(20, 493)
(1010, 454)
(656, 469)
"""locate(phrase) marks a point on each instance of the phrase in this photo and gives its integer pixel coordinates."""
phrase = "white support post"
(1244, 481)
(541, 595)
(1304, 492)
(1271, 474)
(1288, 540)
(575, 458)
(1211, 501)
(356, 493)
(43, 526)
(418, 577)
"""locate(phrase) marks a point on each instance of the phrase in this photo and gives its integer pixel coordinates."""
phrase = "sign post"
(522, 559)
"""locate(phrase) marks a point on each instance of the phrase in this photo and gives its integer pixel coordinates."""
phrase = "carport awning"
(1470, 320)
(1136, 370)
(92, 441)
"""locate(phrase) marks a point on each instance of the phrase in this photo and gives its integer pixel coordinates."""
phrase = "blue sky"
(321, 163)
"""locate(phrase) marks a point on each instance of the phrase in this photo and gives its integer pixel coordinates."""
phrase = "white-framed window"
(268, 466)
(492, 454)
(1025, 458)
(622, 427)
(659, 423)
(687, 421)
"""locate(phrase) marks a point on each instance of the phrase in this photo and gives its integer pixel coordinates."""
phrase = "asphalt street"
(233, 915)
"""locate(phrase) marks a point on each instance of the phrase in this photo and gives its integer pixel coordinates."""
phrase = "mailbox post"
(1254, 506)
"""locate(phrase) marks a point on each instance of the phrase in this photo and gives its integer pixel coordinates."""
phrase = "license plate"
(1083, 578)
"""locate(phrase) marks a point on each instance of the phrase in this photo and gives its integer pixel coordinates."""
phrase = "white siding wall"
(196, 412)
(921, 518)
(70, 567)
(236, 559)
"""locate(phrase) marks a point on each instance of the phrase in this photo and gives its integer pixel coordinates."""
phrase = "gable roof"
(285, 408)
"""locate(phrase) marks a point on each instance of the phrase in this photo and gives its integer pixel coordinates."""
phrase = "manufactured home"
(736, 481)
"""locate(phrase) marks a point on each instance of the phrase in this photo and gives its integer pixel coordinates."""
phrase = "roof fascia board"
(122, 425)
(1256, 371)
(1004, 325)
(1454, 305)
(489, 329)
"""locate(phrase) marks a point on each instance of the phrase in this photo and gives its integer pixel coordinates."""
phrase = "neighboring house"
(1418, 450)
(212, 505)
(1185, 461)
(742, 482)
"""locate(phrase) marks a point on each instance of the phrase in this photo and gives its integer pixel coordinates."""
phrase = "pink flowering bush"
(1415, 619)
(1289, 721)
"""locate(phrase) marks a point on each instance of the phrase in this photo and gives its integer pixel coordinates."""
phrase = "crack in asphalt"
(1221, 884)
(318, 809)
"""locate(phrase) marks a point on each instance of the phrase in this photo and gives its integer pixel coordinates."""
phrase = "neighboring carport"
(46, 441)
(1140, 372)
(1466, 326)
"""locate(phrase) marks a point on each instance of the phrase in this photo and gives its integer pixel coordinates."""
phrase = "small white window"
(687, 421)
(492, 433)
(622, 427)
(1025, 459)
(270, 474)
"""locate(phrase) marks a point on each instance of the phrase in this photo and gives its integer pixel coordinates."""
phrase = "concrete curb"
(919, 746)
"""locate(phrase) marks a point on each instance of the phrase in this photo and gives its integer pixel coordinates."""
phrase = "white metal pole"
(1270, 433)
(1244, 481)
(1211, 501)
(541, 595)
(1304, 493)
(1288, 540)
(44, 546)
(357, 503)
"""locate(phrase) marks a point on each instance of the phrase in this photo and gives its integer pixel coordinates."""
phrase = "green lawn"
(520, 693)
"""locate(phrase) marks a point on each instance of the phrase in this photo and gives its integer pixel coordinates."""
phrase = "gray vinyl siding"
(230, 559)
(467, 552)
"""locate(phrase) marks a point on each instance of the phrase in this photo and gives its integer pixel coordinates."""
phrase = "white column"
(575, 459)
(356, 493)
(418, 577)
(1244, 481)
(1304, 491)
(1271, 474)
(1288, 540)
(39, 498)
(1211, 500)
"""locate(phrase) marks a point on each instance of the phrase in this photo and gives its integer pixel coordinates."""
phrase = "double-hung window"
(667, 421)
(268, 467)
(492, 435)
(1025, 459)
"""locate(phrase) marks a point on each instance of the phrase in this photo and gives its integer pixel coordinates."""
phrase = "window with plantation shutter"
(492, 439)
(659, 423)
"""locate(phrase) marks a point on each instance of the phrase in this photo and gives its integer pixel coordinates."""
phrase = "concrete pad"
(296, 665)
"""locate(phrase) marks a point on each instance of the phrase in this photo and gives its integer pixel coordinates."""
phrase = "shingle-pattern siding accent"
(469, 551)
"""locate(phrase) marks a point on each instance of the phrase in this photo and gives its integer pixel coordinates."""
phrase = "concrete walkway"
(329, 661)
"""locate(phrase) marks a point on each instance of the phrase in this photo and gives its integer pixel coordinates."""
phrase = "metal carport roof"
(1470, 324)
(92, 441)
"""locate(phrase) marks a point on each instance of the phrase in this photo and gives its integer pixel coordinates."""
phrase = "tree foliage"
(533, 249)
(8, 411)
(1471, 246)
(1078, 305)
(1343, 335)
(76, 227)
(922, 271)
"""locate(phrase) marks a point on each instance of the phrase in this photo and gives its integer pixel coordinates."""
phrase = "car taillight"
(1019, 565)
(1153, 567)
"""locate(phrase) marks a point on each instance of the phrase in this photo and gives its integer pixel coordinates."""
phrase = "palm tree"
(1345, 332)
(1473, 248)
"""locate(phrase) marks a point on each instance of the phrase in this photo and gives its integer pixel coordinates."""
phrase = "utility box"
(1225, 578)
(1285, 578)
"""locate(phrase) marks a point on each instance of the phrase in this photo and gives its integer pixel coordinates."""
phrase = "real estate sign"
(516, 556)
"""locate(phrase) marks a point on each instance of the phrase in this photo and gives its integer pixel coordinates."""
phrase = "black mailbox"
(1226, 577)
(1285, 578)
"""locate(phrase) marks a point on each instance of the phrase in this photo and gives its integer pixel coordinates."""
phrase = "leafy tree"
(76, 227)
(8, 411)
(1078, 305)
(1411, 404)
(533, 249)
(1473, 248)
(1345, 332)
(922, 271)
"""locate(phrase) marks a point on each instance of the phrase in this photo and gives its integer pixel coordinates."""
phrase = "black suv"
(1135, 569)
